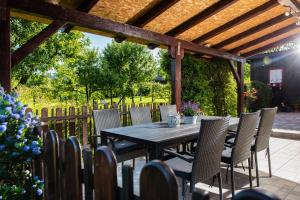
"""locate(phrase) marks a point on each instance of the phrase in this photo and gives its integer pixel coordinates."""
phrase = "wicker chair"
(140, 115)
(261, 141)
(205, 163)
(239, 151)
(124, 150)
(165, 110)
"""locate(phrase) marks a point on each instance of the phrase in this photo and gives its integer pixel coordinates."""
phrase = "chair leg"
(252, 159)
(183, 188)
(133, 163)
(232, 179)
(269, 162)
(147, 158)
(250, 173)
(220, 185)
(256, 168)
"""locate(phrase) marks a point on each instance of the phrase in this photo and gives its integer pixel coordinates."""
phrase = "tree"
(59, 48)
(129, 66)
(87, 67)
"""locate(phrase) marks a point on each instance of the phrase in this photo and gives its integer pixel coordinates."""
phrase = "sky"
(100, 42)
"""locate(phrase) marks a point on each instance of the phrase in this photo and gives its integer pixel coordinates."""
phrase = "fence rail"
(79, 121)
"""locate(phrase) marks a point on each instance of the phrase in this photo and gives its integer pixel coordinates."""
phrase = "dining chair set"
(216, 144)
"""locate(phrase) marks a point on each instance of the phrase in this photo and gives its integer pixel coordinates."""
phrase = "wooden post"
(5, 56)
(240, 88)
(176, 53)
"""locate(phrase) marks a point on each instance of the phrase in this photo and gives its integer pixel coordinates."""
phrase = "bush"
(264, 95)
(18, 146)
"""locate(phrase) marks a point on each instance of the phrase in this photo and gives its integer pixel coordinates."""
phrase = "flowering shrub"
(250, 97)
(190, 108)
(18, 146)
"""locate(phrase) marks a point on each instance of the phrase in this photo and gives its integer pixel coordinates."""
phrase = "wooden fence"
(73, 173)
(79, 121)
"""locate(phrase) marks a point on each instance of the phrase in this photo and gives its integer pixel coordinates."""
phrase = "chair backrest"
(140, 115)
(106, 118)
(244, 137)
(165, 110)
(265, 128)
(209, 149)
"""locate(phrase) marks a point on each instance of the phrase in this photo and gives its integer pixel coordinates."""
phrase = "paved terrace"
(285, 182)
(287, 125)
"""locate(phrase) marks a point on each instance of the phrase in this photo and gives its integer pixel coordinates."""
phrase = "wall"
(289, 61)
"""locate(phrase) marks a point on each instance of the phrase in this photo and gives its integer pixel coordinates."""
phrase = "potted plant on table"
(19, 145)
(190, 112)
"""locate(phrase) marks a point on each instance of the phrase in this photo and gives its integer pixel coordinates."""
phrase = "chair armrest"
(189, 153)
(178, 155)
(111, 140)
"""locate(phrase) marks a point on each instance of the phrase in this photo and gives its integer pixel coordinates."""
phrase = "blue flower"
(8, 138)
(35, 178)
(3, 118)
(26, 148)
(8, 109)
(18, 137)
(16, 116)
(15, 154)
(36, 151)
(2, 147)
(19, 104)
(3, 128)
(20, 131)
(29, 115)
(39, 192)
(34, 143)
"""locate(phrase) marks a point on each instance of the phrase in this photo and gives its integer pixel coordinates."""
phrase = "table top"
(159, 132)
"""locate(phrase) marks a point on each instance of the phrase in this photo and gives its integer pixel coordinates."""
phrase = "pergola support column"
(240, 88)
(5, 56)
(176, 54)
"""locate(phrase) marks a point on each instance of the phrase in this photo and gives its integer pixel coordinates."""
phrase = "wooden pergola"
(228, 29)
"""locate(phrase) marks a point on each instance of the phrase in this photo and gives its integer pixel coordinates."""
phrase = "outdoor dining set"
(195, 152)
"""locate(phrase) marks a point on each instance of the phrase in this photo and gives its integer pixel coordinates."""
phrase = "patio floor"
(285, 182)
(287, 125)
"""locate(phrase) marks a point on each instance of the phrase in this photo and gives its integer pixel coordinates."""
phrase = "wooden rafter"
(152, 13)
(38, 39)
(85, 6)
(251, 31)
(252, 13)
(201, 16)
(34, 42)
(265, 38)
(272, 45)
(85, 20)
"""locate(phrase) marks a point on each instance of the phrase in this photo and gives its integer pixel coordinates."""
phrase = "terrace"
(233, 30)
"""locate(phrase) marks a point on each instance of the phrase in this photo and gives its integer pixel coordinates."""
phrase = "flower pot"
(190, 119)
(173, 120)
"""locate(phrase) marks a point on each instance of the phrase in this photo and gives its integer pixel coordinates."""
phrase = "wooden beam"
(251, 31)
(252, 13)
(234, 72)
(176, 53)
(108, 26)
(152, 13)
(265, 38)
(200, 17)
(5, 61)
(36, 41)
(272, 45)
(85, 6)
(240, 88)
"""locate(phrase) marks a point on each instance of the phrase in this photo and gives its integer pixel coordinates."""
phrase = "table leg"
(103, 139)
(154, 152)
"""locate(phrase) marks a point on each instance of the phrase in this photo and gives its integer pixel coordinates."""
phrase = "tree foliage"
(209, 83)
(128, 66)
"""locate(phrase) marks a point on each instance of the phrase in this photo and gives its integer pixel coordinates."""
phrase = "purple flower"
(39, 192)
(34, 143)
(8, 109)
(16, 116)
(36, 151)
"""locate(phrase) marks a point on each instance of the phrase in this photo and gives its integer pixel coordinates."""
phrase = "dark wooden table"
(157, 136)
